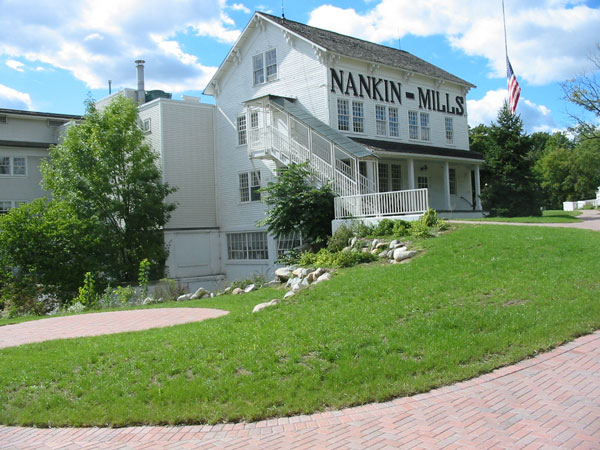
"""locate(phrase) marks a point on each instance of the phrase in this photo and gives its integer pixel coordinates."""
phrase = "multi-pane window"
(449, 130)
(254, 119)
(287, 243)
(343, 115)
(383, 177)
(418, 126)
(265, 61)
(393, 117)
(452, 179)
(381, 120)
(358, 117)
(422, 182)
(249, 186)
(13, 165)
(413, 125)
(251, 245)
(5, 206)
(396, 177)
(241, 130)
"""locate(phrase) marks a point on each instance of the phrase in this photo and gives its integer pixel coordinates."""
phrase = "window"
(390, 177)
(343, 115)
(449, 130)
(249, 186)
(5, 206)
(381, 120)
(247, 245)
(422, 183)
(358, 117)
(147, 126)
(393, 117)
(254, 119)
(383, 177)
(418, 126)
(13, 165)
(262, 61)
(287, 243)
(396, 178)
(452, 179)
(241, 130)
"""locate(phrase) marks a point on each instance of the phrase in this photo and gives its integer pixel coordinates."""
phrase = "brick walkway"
(101, 323)
(550, 401)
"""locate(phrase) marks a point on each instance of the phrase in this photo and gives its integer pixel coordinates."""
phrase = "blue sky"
(52, 58)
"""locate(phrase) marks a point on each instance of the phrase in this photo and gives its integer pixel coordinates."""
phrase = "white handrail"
(414, 201)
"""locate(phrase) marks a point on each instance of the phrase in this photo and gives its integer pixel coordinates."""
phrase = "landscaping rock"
(184, 297)
(200, 292)
(304, 283)
(283, 273)
(400, 254)
(381, 245)
(250, 288)
(302, 272)
(288, 294)
(393, 243)
(294, 283)
(227, 290)
(353, 241)
(237, 291)
(274, 283)
(346, 249)
(324, 277)
(262, 306)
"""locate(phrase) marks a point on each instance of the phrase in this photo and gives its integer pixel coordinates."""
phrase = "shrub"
(363, 229)
(340, 239)
(420, 229)
(168, 290)
(144, 277)
(401, 228)
(87, 293)
(384, 228)
(430, 218)
(21, 296)
(327, 258)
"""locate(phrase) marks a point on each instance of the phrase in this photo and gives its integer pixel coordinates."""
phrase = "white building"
(385, 128)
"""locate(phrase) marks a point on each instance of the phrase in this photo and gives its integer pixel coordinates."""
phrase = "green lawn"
(476, 299)
(548, 216)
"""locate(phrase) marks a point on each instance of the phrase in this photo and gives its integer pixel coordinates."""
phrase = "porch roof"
(426, 150)
(295, 109)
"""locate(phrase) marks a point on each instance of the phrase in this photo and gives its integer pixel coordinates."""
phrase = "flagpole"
(504, 21)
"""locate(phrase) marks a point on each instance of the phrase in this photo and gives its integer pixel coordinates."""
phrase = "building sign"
(384, 90)
(378, 89)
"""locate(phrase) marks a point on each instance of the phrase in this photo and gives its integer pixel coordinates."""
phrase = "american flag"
(514, 90)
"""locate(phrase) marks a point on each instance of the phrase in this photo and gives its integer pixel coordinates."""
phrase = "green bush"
(21, 296)
(401, 228)
(420, 229)
(361, 229)
(340, 239)
(384, 228)
(430, 218)
(327, 258)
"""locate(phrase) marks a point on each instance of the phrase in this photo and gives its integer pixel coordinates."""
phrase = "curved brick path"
(550, 401)
(101, 323)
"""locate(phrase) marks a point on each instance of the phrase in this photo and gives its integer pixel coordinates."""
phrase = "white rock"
(273, 283)
(401, 246)
(283, 273)
(381, 245)
(237, 291)
(400, 254)
(250, 288)
(324, 277)
(294, 283)
(227, 290)
(288, 294)
(262, 306)
(393, 243)
(304, 283)
(200, 292)
(353, 241)
(184, 297)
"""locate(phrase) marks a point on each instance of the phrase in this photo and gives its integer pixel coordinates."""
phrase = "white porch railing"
(379, 204)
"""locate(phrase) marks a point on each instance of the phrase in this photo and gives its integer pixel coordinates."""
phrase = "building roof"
(425, 150)
(24, 144)
(364, 50)
(292, 107)
(20, 112)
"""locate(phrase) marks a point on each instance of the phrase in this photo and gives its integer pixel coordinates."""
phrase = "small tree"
(510, 188)
(296, 205)
(105, 170)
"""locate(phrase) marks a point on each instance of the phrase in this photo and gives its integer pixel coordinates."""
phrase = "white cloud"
(97, 41)
(485, 111)
(13, 99)
(240, 7)
(16, 65)
(548, 40)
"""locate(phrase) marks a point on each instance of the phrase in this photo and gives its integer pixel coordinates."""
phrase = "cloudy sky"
(52, 58)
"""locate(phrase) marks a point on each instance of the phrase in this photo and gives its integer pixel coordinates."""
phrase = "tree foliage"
(296, 205)
(106, 172)
(509, 186)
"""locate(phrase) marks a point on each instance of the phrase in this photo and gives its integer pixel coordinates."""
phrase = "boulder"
(262, 306)
(294, 283)
(301, 272)
(283, 273)
(200, 292)
(250, 288)
(184, 297)
(304, 283)
(288, 294)
(227, 290)
(393, 243)
(324, 277)
(237, 291)
(401, 254)
(273, 283)
(381, 245)
(353, 241)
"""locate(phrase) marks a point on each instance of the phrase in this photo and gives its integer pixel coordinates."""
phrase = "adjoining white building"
(387, 130)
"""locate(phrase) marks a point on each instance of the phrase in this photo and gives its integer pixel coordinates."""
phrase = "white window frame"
(390, 177)
(264, 67)
(242, 129)
(393, 121)
(343, 114)
(247, 246)
(6, 206)
(249, 185)
(422, 182)
(147, 125)
(449, 128)
(419, 126)
(381, 120)
(11, 167)
(358, 117)
(288, 242)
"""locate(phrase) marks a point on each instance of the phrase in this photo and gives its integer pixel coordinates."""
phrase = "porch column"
(477, 190)
(411, 174)
(446, 186)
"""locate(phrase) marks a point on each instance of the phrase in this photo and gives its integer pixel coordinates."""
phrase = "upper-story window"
(358, 117)
(249, 186)
(265, 66)
(241, 130)
(13, 165)
(449, 130)
(386, 120)
(343, 115)
(418, 126)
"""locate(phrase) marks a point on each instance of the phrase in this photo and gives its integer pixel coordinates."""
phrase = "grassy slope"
(478, 298)
(548, 216)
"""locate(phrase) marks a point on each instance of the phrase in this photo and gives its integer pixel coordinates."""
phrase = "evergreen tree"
(509, 186)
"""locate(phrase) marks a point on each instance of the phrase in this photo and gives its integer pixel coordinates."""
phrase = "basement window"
(247, 246)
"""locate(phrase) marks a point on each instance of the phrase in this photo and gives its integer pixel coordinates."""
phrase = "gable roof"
(365, 50)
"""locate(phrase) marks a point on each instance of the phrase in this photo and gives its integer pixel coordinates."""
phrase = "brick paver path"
(550, 401)
(100, 323)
